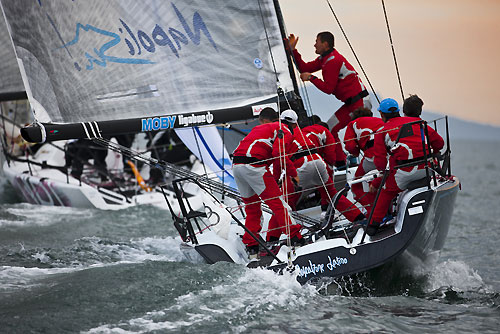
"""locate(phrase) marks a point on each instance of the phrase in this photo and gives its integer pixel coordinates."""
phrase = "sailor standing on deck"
(265, 144)
(312, 169)
(339, 79)
(408, 149)
(360, 136)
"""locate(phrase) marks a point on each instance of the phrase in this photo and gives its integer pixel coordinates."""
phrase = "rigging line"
(4, 141)
(268, 43)
(282, 153)
(4, 135)
(326, 145)
(393, 52)
(303, 84)
(352, 50)
(309, 109)
(12, 133)
(285, 186)
(282, 160)
(205, 181)
(223, 164)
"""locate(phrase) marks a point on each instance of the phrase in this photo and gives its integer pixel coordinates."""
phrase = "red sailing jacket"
(340, 78)
(301, 143)
(324, 142)
(359, 135)
(263, 143)
(408, 148)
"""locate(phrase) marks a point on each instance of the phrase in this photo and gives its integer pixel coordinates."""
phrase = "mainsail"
(125, 66)
(11, 83)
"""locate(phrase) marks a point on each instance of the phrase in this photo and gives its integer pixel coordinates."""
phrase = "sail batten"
(120, 59)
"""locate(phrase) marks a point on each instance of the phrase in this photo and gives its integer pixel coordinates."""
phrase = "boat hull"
(420, 229)
(431, 236)
(52, 187)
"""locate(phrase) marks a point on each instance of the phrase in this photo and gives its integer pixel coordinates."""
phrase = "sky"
(447, 51)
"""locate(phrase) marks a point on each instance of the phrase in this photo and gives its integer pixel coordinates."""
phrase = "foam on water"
(13, 223)
(12, 278)
(133, 251)
(90, 252)
(25, 214)
(455, 274)
(244, 298)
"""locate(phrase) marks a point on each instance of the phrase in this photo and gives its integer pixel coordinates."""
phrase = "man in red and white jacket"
(339, 79)
(360, 136)
(325, 144)
(262, 147)
(408, 149)
(312, 169)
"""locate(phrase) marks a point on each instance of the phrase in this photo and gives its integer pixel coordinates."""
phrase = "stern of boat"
(431, 236)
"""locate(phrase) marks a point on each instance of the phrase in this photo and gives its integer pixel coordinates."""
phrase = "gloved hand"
(351, 160)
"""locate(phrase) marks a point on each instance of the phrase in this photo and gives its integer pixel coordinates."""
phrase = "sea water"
(67, 270)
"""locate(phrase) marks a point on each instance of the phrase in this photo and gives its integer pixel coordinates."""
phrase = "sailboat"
(39, 173)
(120, 67)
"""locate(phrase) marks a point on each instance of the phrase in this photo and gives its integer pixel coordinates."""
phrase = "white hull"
(49, 186)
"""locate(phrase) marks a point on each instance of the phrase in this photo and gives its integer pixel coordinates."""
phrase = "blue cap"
(387, 104)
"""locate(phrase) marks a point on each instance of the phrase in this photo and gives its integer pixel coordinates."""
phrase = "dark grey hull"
(423, 223)
(420, 229)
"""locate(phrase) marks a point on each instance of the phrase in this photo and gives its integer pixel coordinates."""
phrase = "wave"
(28, 215)
(14, 278)
(456, 274)
(242, 299)
(88, 252)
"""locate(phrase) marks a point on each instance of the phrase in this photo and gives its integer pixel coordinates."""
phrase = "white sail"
(206, 144)
(123, 59)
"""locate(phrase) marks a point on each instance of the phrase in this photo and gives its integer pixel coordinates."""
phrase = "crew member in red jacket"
(251, 162)
(412, 106)
(339, 79)
(312, 170)
(408, 149)
(325, 144)
(360, 136)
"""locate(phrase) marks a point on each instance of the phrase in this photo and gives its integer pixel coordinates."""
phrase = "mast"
(299, 106)
(281, 23)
